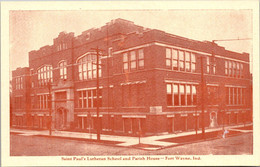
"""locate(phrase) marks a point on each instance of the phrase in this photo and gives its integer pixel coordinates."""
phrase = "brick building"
(150, 80)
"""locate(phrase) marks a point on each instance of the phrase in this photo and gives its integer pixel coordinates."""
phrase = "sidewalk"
(148, 143)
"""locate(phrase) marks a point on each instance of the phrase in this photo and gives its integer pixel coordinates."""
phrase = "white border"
(116, 5)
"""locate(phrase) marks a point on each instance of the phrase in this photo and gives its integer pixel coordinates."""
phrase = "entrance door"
(170, 125)
(213, 119)
(61, 118)
(127, 125)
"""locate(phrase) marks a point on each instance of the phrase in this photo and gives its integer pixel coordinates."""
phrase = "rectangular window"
(238, 69)
(84, 70)
(182, 94)
(45, 75)
(235, 96)
(89, 74)
(94, 97)
(84, 99)
(32, 102)
(230, 68)
(244, 96)
(126, 66)
(193, 62)
(80, 101)
(194, 94)
(19, 86)
(94, 69)
(213, 65)
(187, 61)
(63, 70)
(46, 101)
(43, 102)
(99, 72)
(168, 58)
(188, 93)
(176, 94)
(175, 59)
(39, 75)
(140, 58)
(239, 95)
(181, 60)
(125, 61)
(227, 96)
(169, 94)
(19, 83)
(226, 67)
(234, 69)
(89, 99)
(89, 70)
(241, 70)
(80, 71)
(133, 60)
(231, 96)
(51, 74)
(208, 64)
(61, 73)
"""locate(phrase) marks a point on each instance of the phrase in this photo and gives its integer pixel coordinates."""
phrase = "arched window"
(45, 75)
(63, 69)
(87, 68)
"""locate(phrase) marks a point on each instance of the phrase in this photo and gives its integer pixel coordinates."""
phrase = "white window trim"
(175, 47)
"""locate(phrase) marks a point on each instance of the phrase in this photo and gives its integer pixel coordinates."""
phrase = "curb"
(91, 141)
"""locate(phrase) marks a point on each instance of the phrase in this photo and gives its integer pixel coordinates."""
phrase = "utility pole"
(98, 119)
(223, 119)
(196, 124)
(202, 98)
(50, 106)
(108, 87)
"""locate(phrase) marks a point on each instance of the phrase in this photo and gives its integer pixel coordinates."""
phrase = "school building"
(149, 81)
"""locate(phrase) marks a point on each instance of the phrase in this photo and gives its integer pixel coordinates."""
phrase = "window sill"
(236, 105)
(181, 106)
(94, 108)
(133, 107)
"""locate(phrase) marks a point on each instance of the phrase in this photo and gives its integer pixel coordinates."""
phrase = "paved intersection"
(152, 142)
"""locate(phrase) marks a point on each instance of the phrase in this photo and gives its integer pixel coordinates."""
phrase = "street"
(27, 145)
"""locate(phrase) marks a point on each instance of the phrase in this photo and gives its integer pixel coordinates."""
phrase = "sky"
(30, 30)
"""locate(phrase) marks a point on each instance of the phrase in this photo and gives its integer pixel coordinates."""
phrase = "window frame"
(207, 65)
(131, 58)
(140, 59)
(45, 74)
(63, 69)
(87, 67)
(89, 98)
(179, 60)
(187, 62)
(176, 96)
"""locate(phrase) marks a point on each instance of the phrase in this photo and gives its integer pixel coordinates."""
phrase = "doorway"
(61, 118)
(213, 119)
